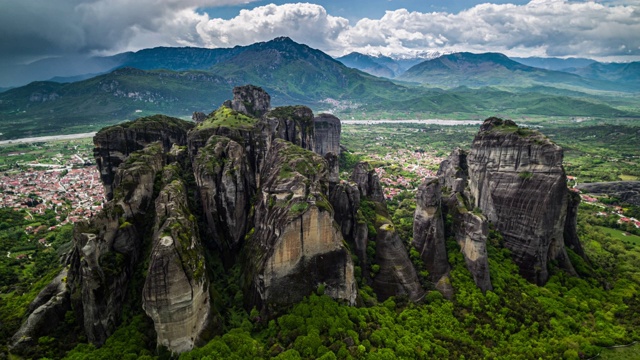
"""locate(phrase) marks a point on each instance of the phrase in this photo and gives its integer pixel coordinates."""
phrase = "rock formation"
(512, 178)
(250, 100)
(176, 290)
(368, 182)
(396, 275)
(516, 178)
(245, 171)
(570, 234)
(226, 185)
(296, 246)
(268, 203)
(115, 143)
(429, 236)
(469, 229)
(327, 129)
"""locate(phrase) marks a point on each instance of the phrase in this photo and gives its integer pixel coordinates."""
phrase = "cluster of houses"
(73, 193)
(418, 165)
(612, 209)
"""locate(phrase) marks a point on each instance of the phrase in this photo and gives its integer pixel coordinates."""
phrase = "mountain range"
(180, 81)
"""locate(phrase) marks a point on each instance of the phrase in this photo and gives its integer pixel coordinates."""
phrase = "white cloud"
(303, 22)
(542, 27)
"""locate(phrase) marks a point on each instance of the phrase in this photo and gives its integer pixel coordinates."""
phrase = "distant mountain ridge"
(380, 65)
(551, 63)
(495, 69)
(291, 73)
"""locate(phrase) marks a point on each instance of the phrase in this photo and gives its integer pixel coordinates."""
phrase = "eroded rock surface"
(516, 178)
(112, 145)
(226, 184)
(327, 130)
(429, 236)
(296, 246)
(396, 275)
(176, 289)
(250, 100)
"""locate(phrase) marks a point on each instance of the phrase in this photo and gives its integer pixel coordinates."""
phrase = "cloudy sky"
(604, 30)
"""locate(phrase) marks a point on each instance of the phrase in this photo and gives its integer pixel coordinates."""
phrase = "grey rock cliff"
(429, 236)
(517, 180)
(226, 185)
(571, 239)
(327, 131)
(112, 145)
(470, 230)
(345, 199)
(368, 182)
(250, 100)
(291, 123)
(296, 245)
(397, 275)
(176, 289)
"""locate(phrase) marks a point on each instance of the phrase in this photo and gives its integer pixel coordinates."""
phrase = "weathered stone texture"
(517, 180)
(428, 233)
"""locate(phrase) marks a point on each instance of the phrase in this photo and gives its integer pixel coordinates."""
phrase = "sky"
(606, 30)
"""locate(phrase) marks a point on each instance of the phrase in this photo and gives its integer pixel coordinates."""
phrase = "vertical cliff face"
(115, 143)
(327, 129)
(296, 245)
(570, 234)
(517, 180)
(471, 232)
(176, 289)
(368, 182)
(108, 247)
(429, 236)
(469, 229)
(396, 275)
(226, 184)
(291, 123)
(250, 100)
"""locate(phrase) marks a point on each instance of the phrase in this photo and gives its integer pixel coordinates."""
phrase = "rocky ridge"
(246, 172)
(259, 187)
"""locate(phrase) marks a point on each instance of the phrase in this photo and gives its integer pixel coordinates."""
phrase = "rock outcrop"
(176, 290)
(469, 229)
(627, 191)
(226, 184)
(245, 171)
(115, 143)
(429, 236)
(327, 130)
(571, 239)
(396, 274)
(250, 100)
(516, 178)
(368, 182)
(512, 178)
(296, 246)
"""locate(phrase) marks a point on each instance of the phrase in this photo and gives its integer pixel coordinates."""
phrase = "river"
(424, 121)
(47, 138)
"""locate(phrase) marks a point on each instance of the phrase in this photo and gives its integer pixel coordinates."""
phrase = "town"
(67, 184)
